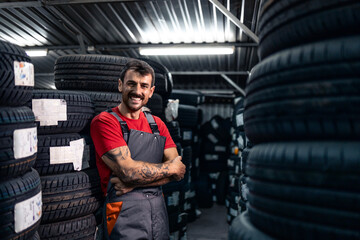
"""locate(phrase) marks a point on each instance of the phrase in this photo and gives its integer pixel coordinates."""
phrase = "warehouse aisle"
(210, 225)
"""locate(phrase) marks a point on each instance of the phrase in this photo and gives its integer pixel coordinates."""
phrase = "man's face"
(136, 90)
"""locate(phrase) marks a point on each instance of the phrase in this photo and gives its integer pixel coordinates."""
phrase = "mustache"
(136, 96)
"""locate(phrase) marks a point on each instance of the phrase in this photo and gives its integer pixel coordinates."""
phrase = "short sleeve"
(106, 133)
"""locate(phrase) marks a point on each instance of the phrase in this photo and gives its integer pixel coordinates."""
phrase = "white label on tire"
(211, 157)
(24, 74)
(212, 138)
(239, 120)
(24, 142)
(173, 199)
(214, 124)
(230, 163)
(197, 162)
(241, 142)
(187, 135)
(49, 111)
(233, 212)
(196, 138)
(187, 206)
(237, 169)
(220, 149)
(27, 213)
(68, 154)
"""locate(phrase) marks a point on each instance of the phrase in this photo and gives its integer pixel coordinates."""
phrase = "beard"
(126, 101)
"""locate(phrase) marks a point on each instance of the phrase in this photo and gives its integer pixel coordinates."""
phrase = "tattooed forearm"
(146, 174)
(138, 173)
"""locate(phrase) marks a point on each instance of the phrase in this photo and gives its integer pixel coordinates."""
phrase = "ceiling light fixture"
(186, 50)
(37, 53)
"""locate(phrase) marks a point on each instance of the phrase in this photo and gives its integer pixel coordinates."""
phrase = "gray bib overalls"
(141, 213)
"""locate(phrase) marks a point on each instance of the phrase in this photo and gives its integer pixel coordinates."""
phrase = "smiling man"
(135, 155)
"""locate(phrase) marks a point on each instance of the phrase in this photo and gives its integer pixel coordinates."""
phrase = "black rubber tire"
(286, 228)
(327, 165)
(289, 23)
(103, 100)
(13, 191)
(234, 164)
(11, 94)
(347, 220)
(244, 157)
(188, 97)
(327, 198)
(203, 191)
(186, 136)
(238, 115)
(308, 92)
(242, 229)
(36, 236)
(80, 111)
(89, 72)
(155, 104)
(188, 116)
(221, 187)
(12, 119)
(70, 195)
(174, 130)
(45, 142)
(75, 229)
(219, 127)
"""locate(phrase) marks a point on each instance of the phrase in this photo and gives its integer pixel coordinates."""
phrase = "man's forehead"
(133, 75)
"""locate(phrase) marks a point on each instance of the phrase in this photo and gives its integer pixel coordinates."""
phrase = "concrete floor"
(211, 225)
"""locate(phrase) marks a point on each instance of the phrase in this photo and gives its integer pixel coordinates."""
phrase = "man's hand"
(120, 187)
(178, 168)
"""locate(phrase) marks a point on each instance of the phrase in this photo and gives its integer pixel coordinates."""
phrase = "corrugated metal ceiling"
(121, 27)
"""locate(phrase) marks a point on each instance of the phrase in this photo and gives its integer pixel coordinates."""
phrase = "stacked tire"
(215, 151)
(95, 77)
(183, 132)
(236, 197)
(20, 186)
(301, 112)
(70, 189)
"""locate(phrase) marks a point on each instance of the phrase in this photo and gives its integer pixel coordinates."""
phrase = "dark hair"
(140, 67)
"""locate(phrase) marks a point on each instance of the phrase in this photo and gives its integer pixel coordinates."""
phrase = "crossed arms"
(131, 174)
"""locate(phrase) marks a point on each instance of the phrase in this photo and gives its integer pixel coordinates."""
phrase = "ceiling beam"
(235, 20)
(41, 3)
(226, 78)
(138, 45)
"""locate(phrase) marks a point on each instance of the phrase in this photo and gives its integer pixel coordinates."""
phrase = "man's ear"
(152, 89)
(120, 85)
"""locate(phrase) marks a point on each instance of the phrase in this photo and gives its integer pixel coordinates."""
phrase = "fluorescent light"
(36, 53)
(186, 50)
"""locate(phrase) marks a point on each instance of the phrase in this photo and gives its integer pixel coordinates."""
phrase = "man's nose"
(137, 88)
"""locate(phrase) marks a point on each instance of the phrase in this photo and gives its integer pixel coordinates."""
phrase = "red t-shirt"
(106, 134)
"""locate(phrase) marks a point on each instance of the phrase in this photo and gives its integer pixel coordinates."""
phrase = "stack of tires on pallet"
(301, 111)
(20, 186)
(180, 196)
(93, 79)
(236, 197)
(214, 154)
(70, 189)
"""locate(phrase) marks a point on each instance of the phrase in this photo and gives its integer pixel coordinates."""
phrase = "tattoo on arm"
(143, 173)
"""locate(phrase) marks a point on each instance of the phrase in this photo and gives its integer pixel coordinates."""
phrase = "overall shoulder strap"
(152, 123)
(123, 125)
